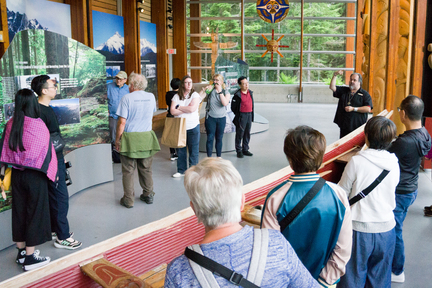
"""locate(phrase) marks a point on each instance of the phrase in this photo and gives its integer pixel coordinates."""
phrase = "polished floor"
(96, 215)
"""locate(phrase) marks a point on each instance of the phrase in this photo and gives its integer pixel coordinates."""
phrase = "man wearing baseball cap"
(116, 90)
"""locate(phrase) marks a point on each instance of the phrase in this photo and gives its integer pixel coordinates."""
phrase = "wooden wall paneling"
(146, 15)
(131, 37)
(106, 6)
(79, 20)
(4, 28)
(195, 27)
(350, 29)
(419, 47)
(393, 41)
(179, 20)
(159, 18)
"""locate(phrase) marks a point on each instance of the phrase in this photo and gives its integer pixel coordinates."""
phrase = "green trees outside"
(291, 28)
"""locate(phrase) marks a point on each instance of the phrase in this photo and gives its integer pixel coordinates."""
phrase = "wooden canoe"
(142, 249)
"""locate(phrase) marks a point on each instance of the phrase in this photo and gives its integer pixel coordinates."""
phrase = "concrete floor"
(95, 213)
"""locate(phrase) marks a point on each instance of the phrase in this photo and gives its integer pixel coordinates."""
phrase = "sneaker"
(21, 255)
(247, 153)
(147, 199)
(54, 235)
(427, 213)
(398, 278)
(68, 243)
(35, 261)
(239, 154)
(124, 204)
(428, 208)
(173, 157)
(178, 175)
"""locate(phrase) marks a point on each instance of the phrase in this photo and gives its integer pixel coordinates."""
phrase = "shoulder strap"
(259, 256)
(366, 191)
(205, 278)
(302, 204)
(218, 269)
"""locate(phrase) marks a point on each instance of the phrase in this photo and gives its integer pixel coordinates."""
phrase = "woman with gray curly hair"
(214, 187)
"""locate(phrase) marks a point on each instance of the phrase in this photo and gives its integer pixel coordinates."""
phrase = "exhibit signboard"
(81, 101)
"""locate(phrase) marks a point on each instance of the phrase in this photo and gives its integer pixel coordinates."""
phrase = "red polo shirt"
(246, 102)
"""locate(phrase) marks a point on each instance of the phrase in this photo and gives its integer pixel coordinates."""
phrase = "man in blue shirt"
(115, 91)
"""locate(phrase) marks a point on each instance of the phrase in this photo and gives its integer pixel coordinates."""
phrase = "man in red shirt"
(243, 107)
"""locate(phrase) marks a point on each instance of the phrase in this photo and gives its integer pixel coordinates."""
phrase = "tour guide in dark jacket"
(243, 107)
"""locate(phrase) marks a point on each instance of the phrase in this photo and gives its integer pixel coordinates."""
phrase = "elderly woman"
(216, 113)
(372, 216)
(185, 104)
(214, 187)
(26, 146)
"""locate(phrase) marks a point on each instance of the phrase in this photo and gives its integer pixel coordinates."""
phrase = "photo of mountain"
(38, 14)
(108, 38)
(148, 51)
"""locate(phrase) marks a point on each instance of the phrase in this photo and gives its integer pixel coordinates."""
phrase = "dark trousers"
(30, 208)
(243, 128)
(214, 127)
(344, 132)
(59, 203)
(192, 145)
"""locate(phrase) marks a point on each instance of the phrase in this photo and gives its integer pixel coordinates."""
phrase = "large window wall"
(328, 39)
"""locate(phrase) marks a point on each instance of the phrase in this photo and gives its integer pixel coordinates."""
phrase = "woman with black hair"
(26, 146)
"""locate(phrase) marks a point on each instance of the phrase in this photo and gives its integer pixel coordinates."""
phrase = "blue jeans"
(370, 263)
(214, 127)
(192, 145)
(403, 201)
(59, 202)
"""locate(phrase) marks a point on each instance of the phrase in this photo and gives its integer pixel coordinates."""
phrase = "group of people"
(183, 102)
(316, 233)
(33, 146)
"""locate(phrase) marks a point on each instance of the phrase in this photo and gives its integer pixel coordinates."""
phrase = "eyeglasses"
(399, 109)
(55, 87)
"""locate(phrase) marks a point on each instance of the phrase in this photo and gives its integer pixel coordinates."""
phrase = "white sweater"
(373, 214)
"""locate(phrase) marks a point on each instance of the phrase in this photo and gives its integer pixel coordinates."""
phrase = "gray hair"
(138, 81)
(359, 76)
(214, 187)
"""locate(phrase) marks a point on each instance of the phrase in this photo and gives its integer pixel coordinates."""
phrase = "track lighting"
(170, 26)
(170, 18)
(141, 10)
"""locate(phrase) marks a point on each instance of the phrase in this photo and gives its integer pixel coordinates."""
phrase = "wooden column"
(195, 27)
(349, 59)
(131, 37)
(4, 28)
(359, 37)
(159, 17)
(393, 42)
(419, 47)
(179, 23)
(79, 20)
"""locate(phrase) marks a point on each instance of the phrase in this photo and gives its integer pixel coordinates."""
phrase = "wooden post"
(242, 30)
(79, 20)
(4, 28)
(419, 47)
(195, 27)
(300, 98)
(392, 55)
(410, 48)
(359, 38)
(90, 23)
(179, 23)
(159, 17)
(349, 60)
(131, 37)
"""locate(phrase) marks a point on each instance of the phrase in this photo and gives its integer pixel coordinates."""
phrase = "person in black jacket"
(242, 106)
(175, 85)
(409, 148)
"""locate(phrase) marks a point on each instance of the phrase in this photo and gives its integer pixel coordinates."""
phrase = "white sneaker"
(398, 278)
(178, 175)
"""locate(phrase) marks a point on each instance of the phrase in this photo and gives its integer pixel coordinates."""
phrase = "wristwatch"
(178, 105)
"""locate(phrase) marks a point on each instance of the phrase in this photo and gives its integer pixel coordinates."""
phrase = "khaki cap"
(121, 75)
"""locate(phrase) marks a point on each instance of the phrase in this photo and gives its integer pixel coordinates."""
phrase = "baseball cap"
(121, 75)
